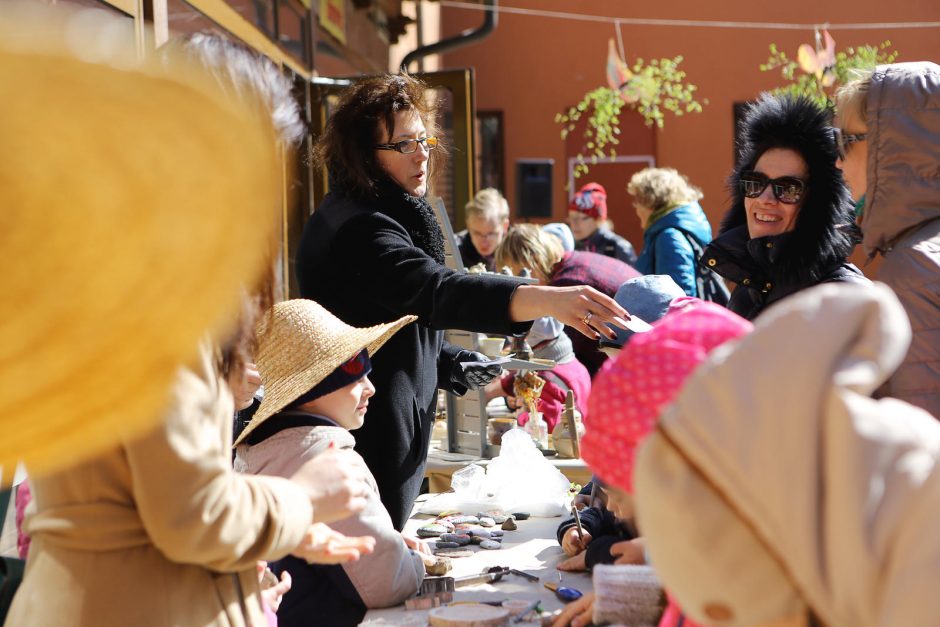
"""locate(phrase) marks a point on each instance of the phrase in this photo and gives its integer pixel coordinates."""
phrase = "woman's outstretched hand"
(580, 307)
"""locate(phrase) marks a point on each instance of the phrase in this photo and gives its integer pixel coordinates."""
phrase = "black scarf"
(416, 216)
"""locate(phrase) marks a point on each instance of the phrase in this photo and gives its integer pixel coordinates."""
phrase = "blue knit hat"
(647, 297)
(563, 232)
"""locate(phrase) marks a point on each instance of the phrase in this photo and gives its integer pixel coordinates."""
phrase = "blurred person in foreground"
(827, 503)
(790, 225)
(159, 529)
(888, 137)
(587, 217)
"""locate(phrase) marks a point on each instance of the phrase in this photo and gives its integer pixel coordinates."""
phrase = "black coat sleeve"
(403, 279)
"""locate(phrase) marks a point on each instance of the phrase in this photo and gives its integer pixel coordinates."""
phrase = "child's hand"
(337, 482)
(244, 384)
(322, 545)
(416, 544)
(574, 564)
(571, 544)
(578, 613)
(272, 596)
(629, 552)
(581, 501)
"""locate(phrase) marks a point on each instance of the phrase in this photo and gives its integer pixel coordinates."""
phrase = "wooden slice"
(469, 615)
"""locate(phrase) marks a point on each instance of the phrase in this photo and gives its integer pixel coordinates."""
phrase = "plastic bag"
(519, 479)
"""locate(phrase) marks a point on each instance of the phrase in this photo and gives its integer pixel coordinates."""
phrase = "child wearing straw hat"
(315, 372)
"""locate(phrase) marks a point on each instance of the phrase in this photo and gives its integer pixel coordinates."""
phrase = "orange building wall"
(533, 67)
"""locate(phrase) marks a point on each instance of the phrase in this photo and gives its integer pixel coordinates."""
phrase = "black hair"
(825, 231)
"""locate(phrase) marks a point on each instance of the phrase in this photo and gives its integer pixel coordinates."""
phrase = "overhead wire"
(618, 21)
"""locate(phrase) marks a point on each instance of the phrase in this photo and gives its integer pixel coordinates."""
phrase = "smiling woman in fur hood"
(791, 222)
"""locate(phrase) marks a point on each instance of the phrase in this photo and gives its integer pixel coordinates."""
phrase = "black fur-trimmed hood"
(825, 232)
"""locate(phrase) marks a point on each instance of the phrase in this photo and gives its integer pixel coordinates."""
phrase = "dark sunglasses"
(787, 189)
(408, 146)
(844, 140)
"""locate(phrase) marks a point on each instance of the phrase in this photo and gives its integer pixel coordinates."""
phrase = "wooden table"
(442, 465)
(531, 548)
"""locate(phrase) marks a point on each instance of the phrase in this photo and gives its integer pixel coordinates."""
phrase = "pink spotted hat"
(630, 392)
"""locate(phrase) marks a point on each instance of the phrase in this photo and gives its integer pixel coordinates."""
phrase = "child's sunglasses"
(787, 189)
(843, 140)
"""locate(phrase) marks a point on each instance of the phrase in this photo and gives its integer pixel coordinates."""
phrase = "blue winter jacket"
(666, 250)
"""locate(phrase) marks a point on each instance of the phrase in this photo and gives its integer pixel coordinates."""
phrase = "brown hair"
(366, 110)
(527, 245)
(655, 188)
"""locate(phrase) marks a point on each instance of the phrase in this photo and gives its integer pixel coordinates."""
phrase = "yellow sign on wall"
(333, 18)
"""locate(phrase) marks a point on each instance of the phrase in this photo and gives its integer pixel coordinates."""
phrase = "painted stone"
(431, 531)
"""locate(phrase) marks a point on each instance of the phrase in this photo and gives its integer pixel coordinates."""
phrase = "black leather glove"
(473, 377)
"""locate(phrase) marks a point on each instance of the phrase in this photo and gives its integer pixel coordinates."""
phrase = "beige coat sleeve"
(194, 506)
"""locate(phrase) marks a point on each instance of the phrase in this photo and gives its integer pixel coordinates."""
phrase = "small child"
(609, 537)
(548, 341)
(314, 368)
(613, 539)
(629, 395)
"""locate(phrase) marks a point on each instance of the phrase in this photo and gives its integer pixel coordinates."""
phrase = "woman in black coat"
(791, 224)
(373, 252)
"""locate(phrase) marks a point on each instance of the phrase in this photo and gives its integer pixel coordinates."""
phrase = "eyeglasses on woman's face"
(409, 146)
(844, 140)
(787, 189)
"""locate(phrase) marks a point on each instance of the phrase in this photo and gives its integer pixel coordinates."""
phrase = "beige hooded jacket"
(776, 487)
(902, 214)
(160, 531)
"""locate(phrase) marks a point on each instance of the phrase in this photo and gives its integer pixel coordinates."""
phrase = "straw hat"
(135, 202)
(299, 344)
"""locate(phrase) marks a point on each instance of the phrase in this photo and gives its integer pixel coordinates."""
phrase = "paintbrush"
(577, 521)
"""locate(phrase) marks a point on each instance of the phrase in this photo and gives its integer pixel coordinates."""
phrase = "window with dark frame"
(490, 157)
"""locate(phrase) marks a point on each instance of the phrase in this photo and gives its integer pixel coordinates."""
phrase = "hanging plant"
(818, 71)
(648, 88)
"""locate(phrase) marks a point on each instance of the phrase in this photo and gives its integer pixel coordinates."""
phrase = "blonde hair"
(852, 99)
(528, 246)
(655, 188)
(488, 204)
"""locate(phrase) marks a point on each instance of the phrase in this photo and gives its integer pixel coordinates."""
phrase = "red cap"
(590, 200)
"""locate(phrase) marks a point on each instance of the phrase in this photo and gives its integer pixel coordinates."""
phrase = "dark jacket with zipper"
(754, 265)
(363, 265)
(605, 529)
(767, 269)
